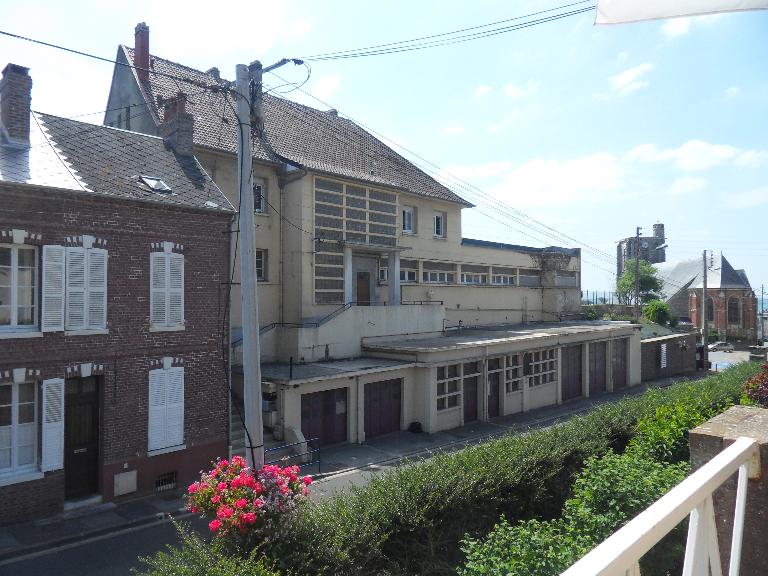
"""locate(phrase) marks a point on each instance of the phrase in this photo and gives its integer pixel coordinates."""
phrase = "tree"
(658, 312)
(650, 284)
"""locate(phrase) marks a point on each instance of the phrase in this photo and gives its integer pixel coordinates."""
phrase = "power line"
(455, 37)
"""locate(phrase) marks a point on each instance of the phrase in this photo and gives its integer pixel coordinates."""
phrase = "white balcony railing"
(620, 554)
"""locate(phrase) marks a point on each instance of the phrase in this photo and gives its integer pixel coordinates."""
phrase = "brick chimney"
(177, 128)
(141, 51)
(15, 101)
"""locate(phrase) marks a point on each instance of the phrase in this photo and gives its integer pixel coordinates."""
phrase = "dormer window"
(156, 185)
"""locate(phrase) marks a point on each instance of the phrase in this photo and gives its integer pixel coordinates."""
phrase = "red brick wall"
(681, 356)
(746, 331)
(129, 228)
(34, 499)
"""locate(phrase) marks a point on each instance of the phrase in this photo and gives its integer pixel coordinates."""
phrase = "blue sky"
(589, 130)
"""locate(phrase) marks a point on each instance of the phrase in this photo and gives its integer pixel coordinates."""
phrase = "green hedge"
(412, 519)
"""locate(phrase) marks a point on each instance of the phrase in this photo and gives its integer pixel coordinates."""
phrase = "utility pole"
(249, 294)
(637, 274)
(762, 314)
(704, 317)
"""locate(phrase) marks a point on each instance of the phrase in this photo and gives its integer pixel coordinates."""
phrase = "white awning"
(622, 11)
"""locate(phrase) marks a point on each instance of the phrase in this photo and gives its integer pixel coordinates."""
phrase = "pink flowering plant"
(246, 505)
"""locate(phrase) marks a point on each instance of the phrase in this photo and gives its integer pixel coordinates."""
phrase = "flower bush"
(244, 504)
(756, 388)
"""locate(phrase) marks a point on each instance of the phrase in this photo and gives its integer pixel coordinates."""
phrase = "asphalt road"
(111, 555)
(721, 360)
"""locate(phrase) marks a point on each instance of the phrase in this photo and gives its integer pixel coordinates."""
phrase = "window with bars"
(513, 374)
(448, 387)
(18, 287)
(540, 366)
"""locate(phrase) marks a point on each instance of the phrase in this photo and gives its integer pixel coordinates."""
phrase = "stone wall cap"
(737, 421)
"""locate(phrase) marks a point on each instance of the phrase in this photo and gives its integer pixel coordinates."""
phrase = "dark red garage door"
(382, 407)
(597, 380)
(619, 364)
(571, 372)
(324, 416)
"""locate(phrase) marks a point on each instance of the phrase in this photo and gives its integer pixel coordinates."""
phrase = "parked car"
(721, 347)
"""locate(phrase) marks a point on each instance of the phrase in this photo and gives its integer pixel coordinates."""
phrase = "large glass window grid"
(470, 278)
(18, 287)
(435, 277)
(450, 382)
(18, 427)
(503, 280)
(540, 366)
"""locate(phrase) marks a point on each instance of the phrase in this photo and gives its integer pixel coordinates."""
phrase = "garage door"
(382, 407)
(571, 372)
(619, 364)
(597, 380)
(324, 416)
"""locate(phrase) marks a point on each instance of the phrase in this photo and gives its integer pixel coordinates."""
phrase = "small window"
(503, 280)
(259, 197)
(434, 277)
(409, 220)
(156, 184)
(407, 275)
(261, 265)
(383, 274)
(18, 287)
(474, 278)
(440, 225)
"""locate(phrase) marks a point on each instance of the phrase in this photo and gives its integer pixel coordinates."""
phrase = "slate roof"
(518, 248)
(315, 139)
(687, 274)
(93, 159)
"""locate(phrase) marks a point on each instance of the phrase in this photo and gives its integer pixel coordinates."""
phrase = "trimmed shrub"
(756, 389)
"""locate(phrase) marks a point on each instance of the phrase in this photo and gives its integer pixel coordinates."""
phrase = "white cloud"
(541, 182)
(747, 199)
(326, 86)
(732, 92)
(676, 27)
(697, 155)
(482, 90)
(686, 185)
(452, 130)
(631, 80)
(530, 88)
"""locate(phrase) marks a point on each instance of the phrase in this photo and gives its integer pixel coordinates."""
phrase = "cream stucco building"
(375, 312)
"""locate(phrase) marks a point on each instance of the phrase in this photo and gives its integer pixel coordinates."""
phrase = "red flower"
(224, 512)
(216, 499)
(214, 525)
(249, 517)
(242, 503)
(193, 488)
(307, 480)
(221, 486)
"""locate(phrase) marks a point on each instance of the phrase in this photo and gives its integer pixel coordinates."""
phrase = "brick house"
(731, 302)
(113, 264)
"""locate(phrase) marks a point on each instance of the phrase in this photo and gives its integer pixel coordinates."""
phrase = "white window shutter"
(53, 425)
(97, 288)
(76, 289)
(52, 317)
(158, 382)
(175, 289)
(174, 407)
(158, 288)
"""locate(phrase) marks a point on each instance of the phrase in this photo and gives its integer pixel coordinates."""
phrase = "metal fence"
(309, 457)
(600, 297)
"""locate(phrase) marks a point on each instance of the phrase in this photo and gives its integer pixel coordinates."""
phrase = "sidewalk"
(336, 464)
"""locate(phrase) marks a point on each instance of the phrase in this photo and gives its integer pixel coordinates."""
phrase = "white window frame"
(15, 467)
(166, 294)
(260, 265)
(438, 277)
(260, 198)
(439, 222)
(408, 275)
(474, 278)
(14, 326)
(165, 428)
(448, 387)
(383, 275)
(503, 279)
(409, 220)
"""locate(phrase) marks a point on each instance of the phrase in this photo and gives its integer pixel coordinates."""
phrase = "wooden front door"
(597, 355)
(363, 288)
(494, 395)
(324, 416)
(382, 407)
(81, 437)
(619, 364)
(470, 399)
(571, 372)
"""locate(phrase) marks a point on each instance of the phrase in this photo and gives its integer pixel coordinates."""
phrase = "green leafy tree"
(658, 312)
(650, 283)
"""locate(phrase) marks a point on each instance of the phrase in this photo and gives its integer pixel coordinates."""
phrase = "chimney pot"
(141, 51)
(15, 102)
